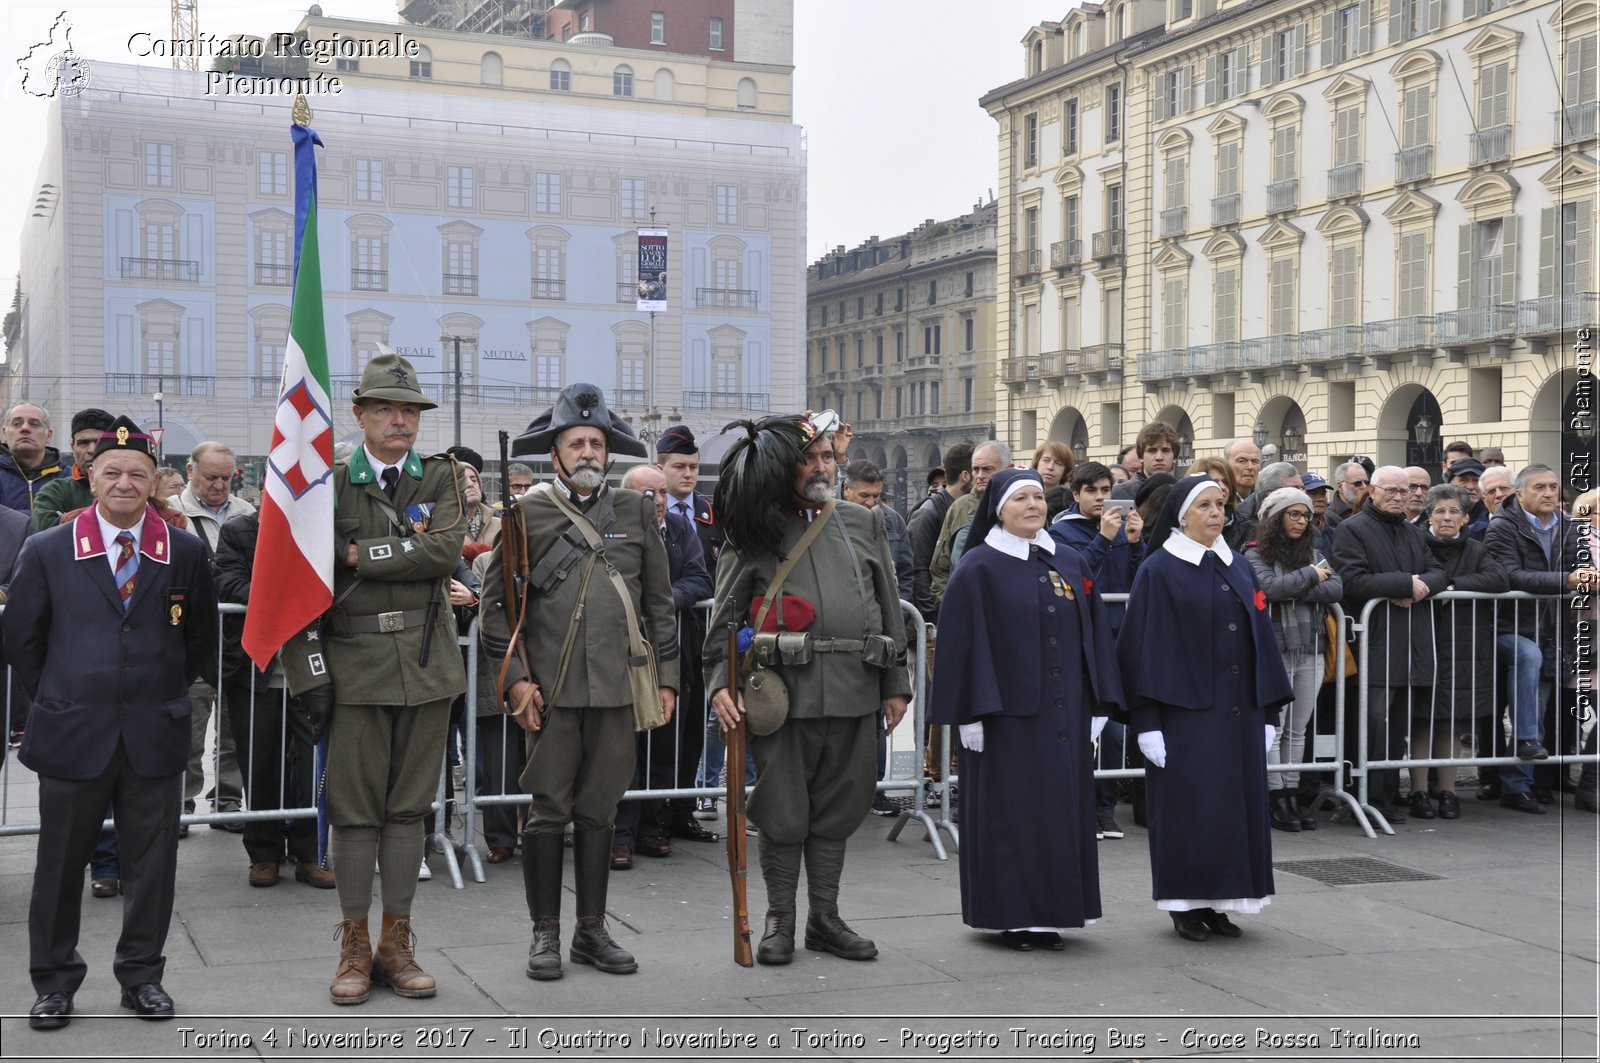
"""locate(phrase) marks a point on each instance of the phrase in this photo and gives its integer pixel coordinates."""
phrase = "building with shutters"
(900, 341)
(1359, 227)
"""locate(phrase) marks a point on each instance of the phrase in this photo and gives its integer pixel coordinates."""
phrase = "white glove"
(972, 736)
(1272, 737)
(1154, 747)
(1096, 725)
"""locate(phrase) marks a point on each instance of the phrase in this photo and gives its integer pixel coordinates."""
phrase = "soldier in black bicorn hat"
(110, 617)
(389, 649)
(576, 637)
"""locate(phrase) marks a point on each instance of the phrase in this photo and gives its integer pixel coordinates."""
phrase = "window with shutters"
(1113, 119)
(1030, 228)
(1030, 140)
(1282, 55)
(1411, 275)
(1174, 297)
(1347, 33)
(1344, 287)
(1280, 297)
(1227, 74)
(1175, 179)
(1228, 168)
(1578, 61)
(1347, 136)
(1174, 93)
(1071, 316)
(1285, 154)
(1494, 94)
(1069, 128)
(1225, 300)
(1488, 262)
(1416, 117)
(1566, 249)
(1071, 230)
(1409, 19)
(1114, 207)
(1111, 321)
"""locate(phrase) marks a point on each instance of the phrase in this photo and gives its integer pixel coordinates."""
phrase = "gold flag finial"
(301, 111)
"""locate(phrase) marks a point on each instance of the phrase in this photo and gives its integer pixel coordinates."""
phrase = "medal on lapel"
(419, 515)
(1063, 589)
(175, 608)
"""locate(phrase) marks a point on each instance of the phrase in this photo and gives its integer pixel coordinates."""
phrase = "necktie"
(127, 568)
(683, 511)
(391, 480)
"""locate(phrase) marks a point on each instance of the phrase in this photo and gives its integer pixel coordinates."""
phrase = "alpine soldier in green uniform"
(587, 545)
(388, 646)
(842, 655)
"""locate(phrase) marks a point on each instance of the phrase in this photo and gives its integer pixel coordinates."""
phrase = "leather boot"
(826, 932)
(1191, 925)
(395, 962)
(1284, 815)
(352, 983)
(777, 939)
(591, 942)
(542, 856)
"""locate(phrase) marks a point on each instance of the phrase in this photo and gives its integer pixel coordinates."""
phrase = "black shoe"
(105, 887)
(1421, 807)
(148, 1000)
(592, 945)
(1047, 939)
(1190, 926)
(1522, 802)
(1585, 799)
(50, 1012)
(1489, 791)
(777, 940)
(826, 932)
(1021, 940)
(1531, 749)
(544, 954)
(1449, 805)
(183, 830)
(883, 806)
(1282, 813)
(686, 826)
(1217, 922)
(1106, 827)
(1544, 795)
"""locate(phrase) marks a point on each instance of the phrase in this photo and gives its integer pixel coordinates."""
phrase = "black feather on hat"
(755, 498)
(578, 405)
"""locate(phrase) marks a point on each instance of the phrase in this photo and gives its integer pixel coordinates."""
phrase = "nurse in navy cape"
(1204, 681)
(1024, 660)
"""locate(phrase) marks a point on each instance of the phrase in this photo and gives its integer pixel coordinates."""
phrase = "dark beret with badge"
(577, 406)
(390, 378)
(126, 437)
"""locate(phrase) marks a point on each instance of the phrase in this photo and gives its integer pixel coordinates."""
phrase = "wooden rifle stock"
(513, 545)
(736, 818)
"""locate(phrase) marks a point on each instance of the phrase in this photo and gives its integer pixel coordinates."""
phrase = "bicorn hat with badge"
(125, 437)
(390, 378)
(578, 405)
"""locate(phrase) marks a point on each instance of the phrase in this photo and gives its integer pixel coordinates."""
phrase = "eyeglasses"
(1417, 487)
(1392, 490)
(1298, 515)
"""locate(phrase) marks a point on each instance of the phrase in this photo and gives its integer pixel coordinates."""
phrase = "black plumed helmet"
(755, 497)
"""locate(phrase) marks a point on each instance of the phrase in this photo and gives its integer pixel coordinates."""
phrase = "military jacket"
(406, 551)
(597, 674)
(848, 575)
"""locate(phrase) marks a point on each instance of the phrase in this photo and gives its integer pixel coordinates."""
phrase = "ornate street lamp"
(1423, 430)
(1291, 441)
(1261, 434)
(1185, 449)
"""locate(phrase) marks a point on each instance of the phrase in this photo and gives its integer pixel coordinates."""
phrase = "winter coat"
(1376, 554)
(1295, 598)
(1513, 542)
(1464, 630)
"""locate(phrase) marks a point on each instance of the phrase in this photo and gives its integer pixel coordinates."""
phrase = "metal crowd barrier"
(1380, 732)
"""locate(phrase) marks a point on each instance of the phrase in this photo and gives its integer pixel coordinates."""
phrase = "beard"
(588, 476)
(817, 489)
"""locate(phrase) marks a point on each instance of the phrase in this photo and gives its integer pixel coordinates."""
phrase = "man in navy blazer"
(109, 727)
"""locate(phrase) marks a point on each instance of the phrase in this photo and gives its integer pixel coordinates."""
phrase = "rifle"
(737, 840)
(513, 544)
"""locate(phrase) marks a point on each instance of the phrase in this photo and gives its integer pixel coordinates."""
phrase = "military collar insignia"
(361, 469)
(153, 536)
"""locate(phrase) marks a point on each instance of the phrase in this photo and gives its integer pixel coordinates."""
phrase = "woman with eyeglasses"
(1299, 584)
(1463, 634)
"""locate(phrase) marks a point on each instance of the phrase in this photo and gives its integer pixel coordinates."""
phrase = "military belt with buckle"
(379, 623)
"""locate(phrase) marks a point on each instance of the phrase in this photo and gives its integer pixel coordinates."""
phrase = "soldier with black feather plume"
(826, 568)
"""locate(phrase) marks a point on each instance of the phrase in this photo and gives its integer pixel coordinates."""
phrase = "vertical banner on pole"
(652, 271)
